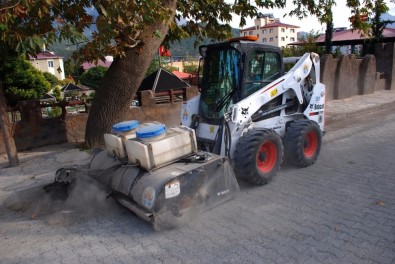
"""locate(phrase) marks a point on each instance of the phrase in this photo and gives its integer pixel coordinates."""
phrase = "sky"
(340, 12)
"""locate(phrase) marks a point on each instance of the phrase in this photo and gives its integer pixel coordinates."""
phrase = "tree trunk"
(9, 142)
(112, 101)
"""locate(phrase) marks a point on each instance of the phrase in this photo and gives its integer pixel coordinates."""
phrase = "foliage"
(116, 26)
(66, 81)
(73, 70)
(93, 76)
(307, 45)
(154, 65)
(190, 67)
(327, 18)
(22, 81)
(51, 79)
(54, 111)
(169, 68)
(57, 93)
(377, 25)
(27, 25)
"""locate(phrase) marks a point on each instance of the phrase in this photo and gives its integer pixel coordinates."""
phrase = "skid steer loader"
(247, 116)
(253, 113)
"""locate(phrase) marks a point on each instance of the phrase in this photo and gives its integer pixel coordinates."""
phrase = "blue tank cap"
(125, 126)
(152, 130)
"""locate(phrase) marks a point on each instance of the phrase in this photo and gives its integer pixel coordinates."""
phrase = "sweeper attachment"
(157, 173)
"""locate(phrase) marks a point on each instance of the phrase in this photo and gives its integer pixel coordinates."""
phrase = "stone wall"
(347, 76)
(35, 131)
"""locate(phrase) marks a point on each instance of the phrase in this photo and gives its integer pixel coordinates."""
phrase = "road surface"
(340, 210)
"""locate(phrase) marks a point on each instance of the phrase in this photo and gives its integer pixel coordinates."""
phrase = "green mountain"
(186, 48)
(182, 49)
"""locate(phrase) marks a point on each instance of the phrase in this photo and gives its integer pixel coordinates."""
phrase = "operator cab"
(232, 71)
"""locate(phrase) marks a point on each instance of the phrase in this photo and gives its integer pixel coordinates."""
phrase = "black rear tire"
(258, 156)
(302, 143)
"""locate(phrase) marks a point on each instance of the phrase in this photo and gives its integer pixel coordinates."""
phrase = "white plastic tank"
(120, 132)
(156, 146)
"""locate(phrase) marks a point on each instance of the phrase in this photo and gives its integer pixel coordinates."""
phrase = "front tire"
(258, 156)
(302, 142)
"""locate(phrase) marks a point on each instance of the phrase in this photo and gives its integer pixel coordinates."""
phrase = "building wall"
(277, 36)
(42, 65)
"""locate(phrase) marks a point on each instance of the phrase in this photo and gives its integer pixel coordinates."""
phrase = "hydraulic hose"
(227, 139)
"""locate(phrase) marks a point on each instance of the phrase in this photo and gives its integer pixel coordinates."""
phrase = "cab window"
(263, 68)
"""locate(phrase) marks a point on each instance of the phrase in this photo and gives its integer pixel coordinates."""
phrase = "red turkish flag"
(164, 52)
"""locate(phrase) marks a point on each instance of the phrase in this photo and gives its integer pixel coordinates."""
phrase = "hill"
(184, 48)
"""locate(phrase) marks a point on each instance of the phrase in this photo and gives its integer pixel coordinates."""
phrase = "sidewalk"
(337, 110)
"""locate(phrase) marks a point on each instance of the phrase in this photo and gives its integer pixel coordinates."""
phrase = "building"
(271, 31)
(351, 41)
(48, 62)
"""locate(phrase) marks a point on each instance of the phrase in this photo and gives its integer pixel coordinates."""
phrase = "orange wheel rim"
(266, 157)
(310, 144)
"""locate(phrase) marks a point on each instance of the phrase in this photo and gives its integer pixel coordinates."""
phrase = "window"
(264, 40)
(292, 39)
(245, 33)
(271, 30)
(257, 35)
(50, 64)
(282, 39)
(292, 30)
(271, 39)
(263, 68)
(250, 33)
(282, 29)
(264, 31)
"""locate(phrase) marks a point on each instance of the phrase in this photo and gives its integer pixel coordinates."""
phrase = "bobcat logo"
(244, 111)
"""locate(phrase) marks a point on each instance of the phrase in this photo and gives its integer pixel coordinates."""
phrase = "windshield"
(221, 76)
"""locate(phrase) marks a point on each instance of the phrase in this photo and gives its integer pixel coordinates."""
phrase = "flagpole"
(159, 58)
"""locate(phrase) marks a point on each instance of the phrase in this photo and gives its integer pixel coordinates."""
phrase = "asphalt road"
(340, 210)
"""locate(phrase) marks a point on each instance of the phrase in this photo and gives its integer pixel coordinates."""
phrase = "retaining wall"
(348, 76)
(35, 131)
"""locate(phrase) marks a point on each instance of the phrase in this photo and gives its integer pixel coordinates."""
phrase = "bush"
(22, 81)
(51, 79)
(190, 68)
(92, 77)
(54, 111)
(57, 93)
(169, 68)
